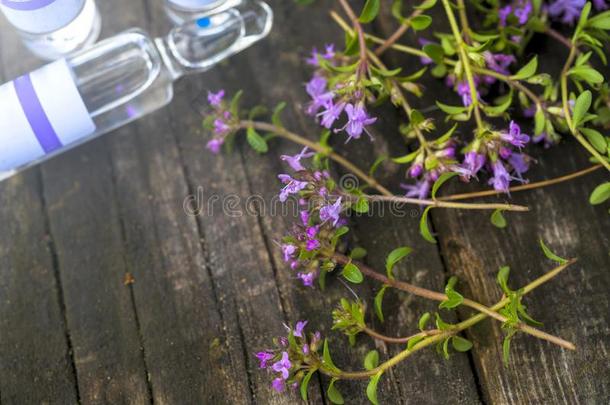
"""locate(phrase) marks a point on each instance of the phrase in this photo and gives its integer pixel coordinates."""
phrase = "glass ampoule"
(180, 11)
(118, 80)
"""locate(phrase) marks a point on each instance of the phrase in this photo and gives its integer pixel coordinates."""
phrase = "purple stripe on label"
(27, 5)
(36, 115)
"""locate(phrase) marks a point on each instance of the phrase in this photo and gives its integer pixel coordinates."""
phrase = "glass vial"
(118, 80)
(53, 28)
(180, 11)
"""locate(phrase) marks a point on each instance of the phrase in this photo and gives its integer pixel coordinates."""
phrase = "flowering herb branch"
(452, 301)
(297, 357)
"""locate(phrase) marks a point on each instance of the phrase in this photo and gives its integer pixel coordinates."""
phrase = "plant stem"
(389, 339)
(523, 187)
(566, 110)
(436, 296)
(397, 34)
(291, 136)
(558, 37)
(360, 32)
(447, 204)
(464, 19)
(466, 62)
(473, 320)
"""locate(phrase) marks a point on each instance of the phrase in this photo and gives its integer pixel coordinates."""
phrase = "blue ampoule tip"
(203, 22)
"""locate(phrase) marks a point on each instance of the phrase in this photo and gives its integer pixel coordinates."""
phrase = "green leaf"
(454, 299)
(256, 141)
(586, 73)
(371, 389)
(423, 321)
(440, 324)
(414, 340)
(326, 356)
(551, 255)
(506, 346)
(361, 206)
(441, 180)
(528, 70)
(370, 11)
(421, 22)
(498, 110)
(423, 227)
(406, 158)
(450, 109)
(581, 106)
(305, 383)
(434, 52)
(539, 121)
(376, 164)
(386, 73)
(257, 111)
(498, 219)
(277, 111)
(234, 106)
(333, 393)
(596, 139)
(460, 344)
(357, 253)
(446, 349)
(502, 278)
(426, 5)
(394, 257)
(600, 21)
(379, 302)
(352, 273)
(371, 360)
(600, 194)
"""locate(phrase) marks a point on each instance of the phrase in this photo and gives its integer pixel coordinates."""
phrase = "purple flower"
(298, 329)
(514, 136)
(331, 114)
(214, 145)
(519, 163)
(304, 217)
(473, 162)
(357, 118)
(288, 250)
(264, 357)
(307, 278)
(305, 349)
(418, 190)
(313, 58)
(499, 62)
(215, 98)
(501, 178)
(424, 59)
(503, 14)
(295, 161)
(463, 89)
(312, 231)
(221, 127)
(278, 385)
(283, 366)
(600, 5)
(312, 244)
(320, 97)
(569, 10)
(292, 186)
(331, 212)
(329, 51)
(415, 170)
(523, 13)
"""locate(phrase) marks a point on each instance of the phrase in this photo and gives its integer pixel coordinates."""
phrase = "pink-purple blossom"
(568, 11)
(501, 177)
(214, 145)
(295, 161)
(514, 135)
(357, 120)
(283, 366)
(331, 212)
(292, 186)
(264, 358)
(215, 99)
(307, 278)
(298, 329)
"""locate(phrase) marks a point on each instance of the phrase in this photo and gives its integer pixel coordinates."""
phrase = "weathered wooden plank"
(86, 228)
(193, 355)
(35, 360)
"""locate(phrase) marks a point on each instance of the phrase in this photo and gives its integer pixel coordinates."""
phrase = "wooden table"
(209, 291)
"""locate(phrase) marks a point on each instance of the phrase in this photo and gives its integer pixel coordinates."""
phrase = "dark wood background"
(209, 291)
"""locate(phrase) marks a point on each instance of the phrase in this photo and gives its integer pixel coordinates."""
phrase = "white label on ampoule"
(196, 4)
(41, 16)
(40, 113)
